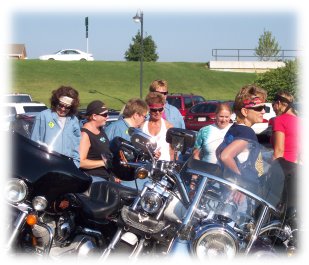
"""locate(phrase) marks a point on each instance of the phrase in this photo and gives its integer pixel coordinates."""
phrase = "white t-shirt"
(162, 145)
(208, 139)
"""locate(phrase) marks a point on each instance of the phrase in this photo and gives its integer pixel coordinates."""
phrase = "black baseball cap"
(96, 107)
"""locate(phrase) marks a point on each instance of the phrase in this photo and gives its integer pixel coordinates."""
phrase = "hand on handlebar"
(157, 154)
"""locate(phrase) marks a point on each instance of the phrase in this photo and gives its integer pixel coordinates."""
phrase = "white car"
(262, 127)
(68, 55)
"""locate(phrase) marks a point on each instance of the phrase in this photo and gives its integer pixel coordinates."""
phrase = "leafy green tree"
(149, 51)
(268, 48)
(283, 78)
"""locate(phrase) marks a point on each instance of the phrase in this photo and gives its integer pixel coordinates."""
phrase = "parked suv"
(9, 111)
(183, 102)
(17, 98)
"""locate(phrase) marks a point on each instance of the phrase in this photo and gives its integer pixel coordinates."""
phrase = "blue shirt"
(173, 115)
(240, 132)
(118, 128)
(47, 129)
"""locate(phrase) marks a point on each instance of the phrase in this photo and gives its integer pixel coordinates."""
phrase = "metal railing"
(250, 53)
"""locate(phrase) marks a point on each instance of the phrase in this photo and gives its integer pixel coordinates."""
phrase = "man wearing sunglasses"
(58, 127)
(170, 113)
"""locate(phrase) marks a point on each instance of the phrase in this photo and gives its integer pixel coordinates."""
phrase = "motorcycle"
(168, 219)
(148, 226)
(55, 209)
(164, 219)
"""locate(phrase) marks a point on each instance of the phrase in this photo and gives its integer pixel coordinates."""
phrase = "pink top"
(288, 124)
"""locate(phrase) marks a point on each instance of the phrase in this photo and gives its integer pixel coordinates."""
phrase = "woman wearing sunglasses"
(156, 126)
(58, 127)
(249, 108)
(95, 155)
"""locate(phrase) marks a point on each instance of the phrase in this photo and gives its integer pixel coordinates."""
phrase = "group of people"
(224, 143)
(92, 147)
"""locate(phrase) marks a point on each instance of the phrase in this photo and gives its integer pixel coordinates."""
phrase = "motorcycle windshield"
(243, 165)
(50, 174)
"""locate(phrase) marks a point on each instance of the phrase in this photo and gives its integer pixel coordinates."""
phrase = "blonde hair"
(247, 92)
(134, 105)
(155, 98)
(223, 106)
(158, 84)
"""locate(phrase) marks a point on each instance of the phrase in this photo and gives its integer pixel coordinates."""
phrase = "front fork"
(17, 227)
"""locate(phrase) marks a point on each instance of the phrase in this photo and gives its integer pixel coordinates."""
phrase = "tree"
(149, 51)
(268, 48)
(283, 78)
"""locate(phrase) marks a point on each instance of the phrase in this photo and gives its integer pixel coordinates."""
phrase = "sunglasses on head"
(258, 109)
(156, 110)
(163, 93)
(103, 114)
(60, 105)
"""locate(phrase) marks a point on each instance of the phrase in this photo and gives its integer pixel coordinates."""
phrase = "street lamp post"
(139, 18)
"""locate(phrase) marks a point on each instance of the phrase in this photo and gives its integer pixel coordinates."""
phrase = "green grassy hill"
(116, 82)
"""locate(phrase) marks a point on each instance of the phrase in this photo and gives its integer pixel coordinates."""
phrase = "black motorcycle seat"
(206, 167)
(104, 198)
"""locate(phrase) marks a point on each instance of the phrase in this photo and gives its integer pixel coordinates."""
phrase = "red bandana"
(247, 103)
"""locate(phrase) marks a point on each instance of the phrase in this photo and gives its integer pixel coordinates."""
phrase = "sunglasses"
(258, 109)
(103, 114)
(163, 93)
(61, 106)
(156, 110)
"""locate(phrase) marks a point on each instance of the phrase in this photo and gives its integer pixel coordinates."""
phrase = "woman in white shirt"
(156, 126)
(211, 136)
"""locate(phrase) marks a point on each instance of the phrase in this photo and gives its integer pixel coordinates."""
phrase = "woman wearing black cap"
(94, 145)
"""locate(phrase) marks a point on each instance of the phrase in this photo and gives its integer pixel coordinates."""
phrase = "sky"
(179, 35)
(183, 30)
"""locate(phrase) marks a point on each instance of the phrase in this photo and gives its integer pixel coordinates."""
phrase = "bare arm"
(230, 152)
(83, 151)
(196, 153)
(278, 138)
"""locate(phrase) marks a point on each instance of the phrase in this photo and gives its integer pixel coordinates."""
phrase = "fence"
(250, 53)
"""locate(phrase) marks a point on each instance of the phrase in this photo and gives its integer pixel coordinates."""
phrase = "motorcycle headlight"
(215, 241)
(151, 202)
(39, 203)
(141, 173)
(16, 190)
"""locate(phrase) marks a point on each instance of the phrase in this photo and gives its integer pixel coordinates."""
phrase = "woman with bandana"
(249, 108)
(58, 127)
(239, 164)
(95, 155)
